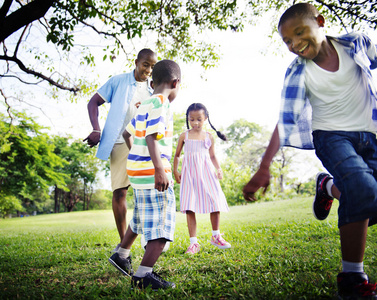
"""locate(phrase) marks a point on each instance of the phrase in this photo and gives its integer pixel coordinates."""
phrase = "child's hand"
(161, 181)
(177, 177)
(219, 174)
(261, 179)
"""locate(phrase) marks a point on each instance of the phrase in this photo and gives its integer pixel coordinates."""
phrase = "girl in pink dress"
(200, 188)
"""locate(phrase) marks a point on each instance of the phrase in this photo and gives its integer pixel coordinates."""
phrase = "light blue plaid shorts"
(154, 214)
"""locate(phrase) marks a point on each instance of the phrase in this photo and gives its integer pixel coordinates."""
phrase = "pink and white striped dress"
(200, 188)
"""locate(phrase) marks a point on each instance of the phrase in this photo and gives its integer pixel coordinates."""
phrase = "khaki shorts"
(118, 167)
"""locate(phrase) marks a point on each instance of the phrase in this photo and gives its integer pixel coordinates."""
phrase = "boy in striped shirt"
(149, 137)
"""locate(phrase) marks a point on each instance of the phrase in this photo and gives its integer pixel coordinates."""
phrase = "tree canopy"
(42, 39)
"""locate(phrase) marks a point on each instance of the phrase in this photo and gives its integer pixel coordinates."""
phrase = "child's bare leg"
(128, 239)
(191, 223)
(120, 210)
(352, 239)
(122, 258)
(335, 192)
(144, 275)
(152, 252)
(215, 220)
(216, 239)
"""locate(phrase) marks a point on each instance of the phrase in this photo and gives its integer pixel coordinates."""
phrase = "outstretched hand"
(93, 138)
(261, 179)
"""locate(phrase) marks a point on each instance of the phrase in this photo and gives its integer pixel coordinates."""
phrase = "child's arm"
(161, 181)
(177, 156)
(262, 177)
(128, 138)
(213, 157)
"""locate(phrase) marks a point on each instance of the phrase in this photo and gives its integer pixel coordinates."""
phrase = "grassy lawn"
(279, 251)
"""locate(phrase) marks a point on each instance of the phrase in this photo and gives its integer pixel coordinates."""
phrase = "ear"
(136, 62)
(152, 84)
(175, 83)
(320, 21)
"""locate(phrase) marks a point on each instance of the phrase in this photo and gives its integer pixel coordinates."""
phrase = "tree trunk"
(56, 198)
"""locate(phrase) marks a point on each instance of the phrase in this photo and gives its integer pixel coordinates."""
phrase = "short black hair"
(145, 53)
(165, 71)
(304, 10)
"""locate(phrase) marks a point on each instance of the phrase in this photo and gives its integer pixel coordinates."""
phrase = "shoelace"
(219, 239)
(367, 289)
(191, 247)
(156, 276)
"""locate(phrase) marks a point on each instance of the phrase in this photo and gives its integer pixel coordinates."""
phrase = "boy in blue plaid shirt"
(329, 104)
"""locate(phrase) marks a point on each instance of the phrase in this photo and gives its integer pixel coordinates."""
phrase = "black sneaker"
(322, 201)
(123, 265)
(151, 279)
(355, 286)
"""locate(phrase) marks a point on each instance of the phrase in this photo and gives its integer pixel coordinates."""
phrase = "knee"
(119, 195)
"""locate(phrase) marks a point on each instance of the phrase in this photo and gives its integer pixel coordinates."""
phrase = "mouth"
(301, 51)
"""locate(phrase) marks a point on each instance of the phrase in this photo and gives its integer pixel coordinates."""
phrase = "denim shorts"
(351, 158)
(154, 214)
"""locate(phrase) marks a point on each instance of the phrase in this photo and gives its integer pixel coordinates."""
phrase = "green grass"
(279, 251)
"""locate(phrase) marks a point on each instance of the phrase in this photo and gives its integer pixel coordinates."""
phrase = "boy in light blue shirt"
(123, 92)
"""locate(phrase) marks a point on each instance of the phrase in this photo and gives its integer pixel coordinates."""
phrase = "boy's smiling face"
(144, 67)
(303, 35)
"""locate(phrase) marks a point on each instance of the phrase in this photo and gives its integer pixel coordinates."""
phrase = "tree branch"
(23, 16)
(8, 107)
(4, 10)
(114, 36)
(37, 74)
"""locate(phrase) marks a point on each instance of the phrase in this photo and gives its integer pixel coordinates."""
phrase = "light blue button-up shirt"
(296, 113)
(118, 91)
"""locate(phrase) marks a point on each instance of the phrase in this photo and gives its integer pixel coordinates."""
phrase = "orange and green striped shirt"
(153, 116)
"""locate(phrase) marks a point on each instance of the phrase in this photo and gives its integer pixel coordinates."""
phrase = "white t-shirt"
(340, 100)
(141, 93)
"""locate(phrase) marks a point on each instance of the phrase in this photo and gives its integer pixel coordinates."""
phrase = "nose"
(294, 44)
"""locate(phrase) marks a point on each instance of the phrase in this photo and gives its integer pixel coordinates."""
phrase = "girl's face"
(196, 119)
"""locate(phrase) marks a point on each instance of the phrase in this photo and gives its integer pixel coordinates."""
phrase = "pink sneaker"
(193, 248)
(219, 242)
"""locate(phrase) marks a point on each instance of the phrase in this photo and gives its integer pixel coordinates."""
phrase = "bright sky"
(246, 84)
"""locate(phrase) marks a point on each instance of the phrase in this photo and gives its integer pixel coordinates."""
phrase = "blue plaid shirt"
(296, 112)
